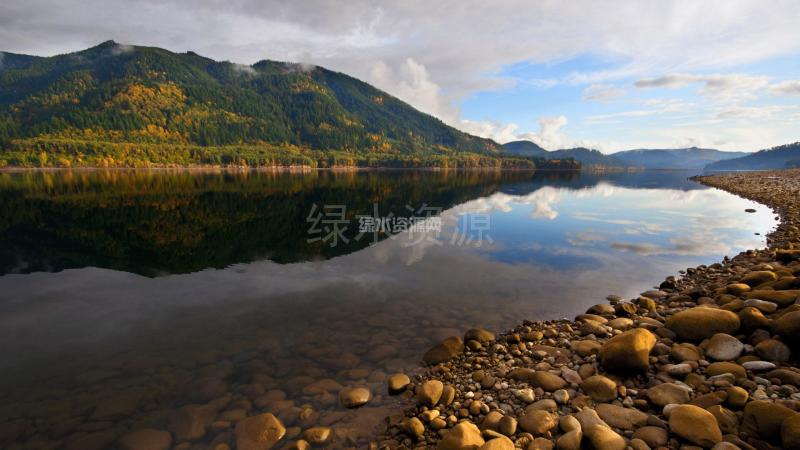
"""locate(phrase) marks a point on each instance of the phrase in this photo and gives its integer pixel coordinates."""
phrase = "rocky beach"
(707, 359)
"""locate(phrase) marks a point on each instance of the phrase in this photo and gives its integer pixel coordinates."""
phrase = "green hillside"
(780, 157)
(115, 105)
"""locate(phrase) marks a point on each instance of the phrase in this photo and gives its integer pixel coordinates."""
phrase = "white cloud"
(601, 92)
(731, 87)
(753, 112)
(791, 87)
(550, 136)
(411, 82)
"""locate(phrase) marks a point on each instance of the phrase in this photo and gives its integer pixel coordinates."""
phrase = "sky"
(611, 75)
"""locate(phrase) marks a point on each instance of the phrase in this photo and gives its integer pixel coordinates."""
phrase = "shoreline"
(293, 169)
(707, 359)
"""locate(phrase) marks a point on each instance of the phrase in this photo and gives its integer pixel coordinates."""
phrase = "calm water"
(124, 295)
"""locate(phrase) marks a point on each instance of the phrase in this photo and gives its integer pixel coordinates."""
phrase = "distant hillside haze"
(682, 158)
(126, 105)
(693, 158)
(781, 157)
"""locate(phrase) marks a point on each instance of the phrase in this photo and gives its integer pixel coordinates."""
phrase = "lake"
(126, 294)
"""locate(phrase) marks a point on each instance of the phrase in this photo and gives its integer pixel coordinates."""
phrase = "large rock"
(788, 326)
(429, 392)
(464, 436)
(782, 298)
(684, 352)
(724, 347)
(628, 351)
(604, 438)
(600, 388)
(498, 443)
(695, 424)
(668, 393)
(146, 439)
(398, 382)
(700, 323)
(758, 277)
(444, 351)
(538, 421)
(764, 419)
(773, 350)
(538, 378)
(259, 432)
(478, 334)
(719, 368)
(790, 432)
(619, 417)
(652, 436)
(353, 397)
(190, 422)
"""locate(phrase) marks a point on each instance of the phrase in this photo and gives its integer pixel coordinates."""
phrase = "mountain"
(120, 105)
(526, 148)
(588, 158)
(682, 158)
(780, 157)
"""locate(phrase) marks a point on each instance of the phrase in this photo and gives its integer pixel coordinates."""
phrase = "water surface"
(168, 288)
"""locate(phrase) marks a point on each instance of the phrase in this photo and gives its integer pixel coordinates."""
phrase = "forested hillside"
(117, 105)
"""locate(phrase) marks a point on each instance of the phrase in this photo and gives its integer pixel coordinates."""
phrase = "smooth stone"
(737, 397)
(628, 351)
(146, 439)
(316, 435)
(782, 298)
(538, 421)
(444, 351)
(464, 436)
(398, 383)
(570, 440)
(620, 417)
(684, 352)
(758, 277)
(761, 305)
(700, 323)
(414, 427)
(788, 326)
(726, 419)
(600, 388)
(695, 424)
(538, 378)
(719, 368)
(724, 347)
(260, 432)
(758, 366)
(190, 422)
(604, 438)
(429, 392)
(773, 350)
(678, 370)
(498, 443)
(737, 288)
(764, 419)
(479, 334)
(667, 393)
(353, 397)
(790, 433)
(652, 436)
(541, 444)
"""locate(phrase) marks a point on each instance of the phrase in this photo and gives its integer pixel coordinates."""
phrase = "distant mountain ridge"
(682, 158)
(780, 157)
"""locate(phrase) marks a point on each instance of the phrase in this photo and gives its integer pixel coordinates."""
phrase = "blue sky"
(608, 75)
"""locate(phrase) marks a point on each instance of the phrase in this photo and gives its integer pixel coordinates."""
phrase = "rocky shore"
(708, 359)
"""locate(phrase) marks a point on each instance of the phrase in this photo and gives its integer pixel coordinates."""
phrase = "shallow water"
(124, 295)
